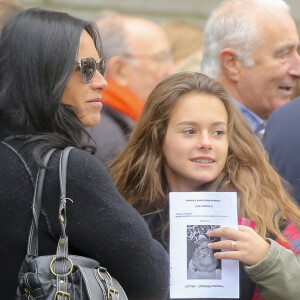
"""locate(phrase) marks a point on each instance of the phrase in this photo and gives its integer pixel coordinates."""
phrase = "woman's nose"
(99, 81)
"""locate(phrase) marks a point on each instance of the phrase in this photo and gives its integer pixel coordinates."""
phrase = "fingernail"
(208, 233)
(209, 245)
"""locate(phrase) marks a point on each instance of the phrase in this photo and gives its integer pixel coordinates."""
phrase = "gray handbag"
(61, 276)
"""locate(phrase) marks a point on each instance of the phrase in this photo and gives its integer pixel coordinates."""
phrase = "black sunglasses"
(88, 68)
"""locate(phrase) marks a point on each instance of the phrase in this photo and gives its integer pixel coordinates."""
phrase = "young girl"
(191, 137)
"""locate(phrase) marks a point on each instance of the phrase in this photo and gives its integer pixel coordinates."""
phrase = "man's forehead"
(144, 35)
(277, 31)
(150, 46)
(272, 20)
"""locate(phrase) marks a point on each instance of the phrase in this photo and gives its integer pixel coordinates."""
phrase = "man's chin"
(276, 103)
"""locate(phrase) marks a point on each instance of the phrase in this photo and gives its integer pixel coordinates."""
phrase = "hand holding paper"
(194, 270)
(250, 247)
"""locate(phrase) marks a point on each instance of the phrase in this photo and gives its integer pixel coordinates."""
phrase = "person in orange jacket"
(139, 56)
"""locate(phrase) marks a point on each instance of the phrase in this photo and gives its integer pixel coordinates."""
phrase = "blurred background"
(159, 11)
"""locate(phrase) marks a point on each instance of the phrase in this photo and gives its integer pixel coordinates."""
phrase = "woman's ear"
(117, 70)
(230, 64)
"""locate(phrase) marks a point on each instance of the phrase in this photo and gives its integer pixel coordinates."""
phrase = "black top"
(101, 224)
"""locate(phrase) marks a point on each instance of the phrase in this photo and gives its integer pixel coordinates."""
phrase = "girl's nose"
(204, 141)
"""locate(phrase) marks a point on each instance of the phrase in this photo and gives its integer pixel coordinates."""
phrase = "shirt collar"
(256, 123)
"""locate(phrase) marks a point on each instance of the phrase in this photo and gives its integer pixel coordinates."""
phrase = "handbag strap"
(32, 248)
(62, 247)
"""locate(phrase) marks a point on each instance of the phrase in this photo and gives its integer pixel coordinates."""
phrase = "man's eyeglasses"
(88, 67)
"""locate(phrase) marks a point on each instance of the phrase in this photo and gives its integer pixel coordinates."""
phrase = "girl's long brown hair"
(138, 171)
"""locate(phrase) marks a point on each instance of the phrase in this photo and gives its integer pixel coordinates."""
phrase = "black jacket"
(101, 224)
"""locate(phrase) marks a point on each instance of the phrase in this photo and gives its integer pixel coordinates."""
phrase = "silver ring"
(233, 245)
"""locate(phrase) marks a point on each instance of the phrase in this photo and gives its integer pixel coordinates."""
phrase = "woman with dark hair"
(51, 79)
(191, 137)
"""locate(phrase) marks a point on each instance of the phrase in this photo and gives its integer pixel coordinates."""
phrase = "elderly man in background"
(138, 54)
(250, 46)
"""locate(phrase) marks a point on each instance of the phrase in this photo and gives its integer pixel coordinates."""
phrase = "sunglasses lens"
(88, 67)
(102, 66)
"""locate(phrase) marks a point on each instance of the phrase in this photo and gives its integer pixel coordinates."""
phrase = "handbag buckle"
(69, 272)
(63, 294)
(110, 291)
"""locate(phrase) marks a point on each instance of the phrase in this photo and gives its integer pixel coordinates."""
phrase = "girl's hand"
(249, 247)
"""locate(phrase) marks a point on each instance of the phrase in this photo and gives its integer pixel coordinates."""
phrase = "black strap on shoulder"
(63, 163)
(32, 248)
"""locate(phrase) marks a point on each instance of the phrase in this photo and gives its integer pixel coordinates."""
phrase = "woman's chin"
(90, 121)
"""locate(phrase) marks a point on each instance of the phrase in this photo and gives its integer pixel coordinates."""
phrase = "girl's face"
(85, 98)
(196, 143)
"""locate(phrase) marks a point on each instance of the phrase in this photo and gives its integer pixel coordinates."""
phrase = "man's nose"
(295, 66)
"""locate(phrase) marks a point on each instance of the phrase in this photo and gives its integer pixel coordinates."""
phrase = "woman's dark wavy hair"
(38, 50)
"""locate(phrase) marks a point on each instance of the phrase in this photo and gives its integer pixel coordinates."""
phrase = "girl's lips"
(203, 159)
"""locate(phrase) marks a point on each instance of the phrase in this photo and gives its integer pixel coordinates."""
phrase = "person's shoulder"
(283, 121)
(287, 109)
(290, 105)
(82, 165)
(84, 159)
(113, 124)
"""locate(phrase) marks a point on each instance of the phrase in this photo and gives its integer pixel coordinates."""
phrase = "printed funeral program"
(194, 272)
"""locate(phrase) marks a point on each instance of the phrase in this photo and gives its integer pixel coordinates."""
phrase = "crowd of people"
(144, 122)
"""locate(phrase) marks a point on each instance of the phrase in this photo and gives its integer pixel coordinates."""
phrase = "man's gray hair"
(113, 35)
(232, 25)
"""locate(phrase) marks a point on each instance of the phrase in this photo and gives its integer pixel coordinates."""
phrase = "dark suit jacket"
(282, 141)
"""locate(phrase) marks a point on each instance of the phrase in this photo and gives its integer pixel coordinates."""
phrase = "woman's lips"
(95, 102)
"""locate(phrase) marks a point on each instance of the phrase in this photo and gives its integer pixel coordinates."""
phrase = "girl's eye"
(189, 131)
(218, 132)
